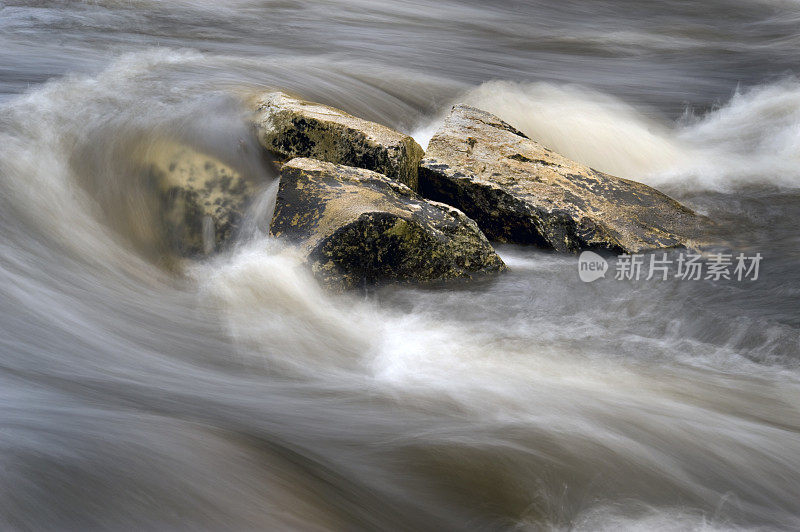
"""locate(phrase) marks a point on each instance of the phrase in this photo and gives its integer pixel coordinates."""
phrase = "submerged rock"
(202, 200)
(356, 226)
(520, 192)
(296, 128)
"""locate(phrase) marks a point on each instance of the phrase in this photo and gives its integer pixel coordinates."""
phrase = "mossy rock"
(293, 127)
(520, 192)
(201, 199)
(356, 226)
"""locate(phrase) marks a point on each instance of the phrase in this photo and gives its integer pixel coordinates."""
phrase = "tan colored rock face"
(520, 192)
(202, 199)
(297, 128)
(356, 226)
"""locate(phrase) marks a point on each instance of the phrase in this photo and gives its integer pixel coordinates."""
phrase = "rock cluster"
(363, 206)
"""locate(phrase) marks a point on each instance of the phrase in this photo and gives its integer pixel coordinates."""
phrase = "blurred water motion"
(238, 395)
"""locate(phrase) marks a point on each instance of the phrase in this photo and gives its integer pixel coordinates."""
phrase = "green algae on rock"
(296, 128)
(520, 192)
(357, 226)
(202, 200)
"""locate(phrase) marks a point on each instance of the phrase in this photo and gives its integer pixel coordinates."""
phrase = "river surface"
(236, 395)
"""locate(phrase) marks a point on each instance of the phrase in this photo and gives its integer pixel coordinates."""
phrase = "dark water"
(237, 395)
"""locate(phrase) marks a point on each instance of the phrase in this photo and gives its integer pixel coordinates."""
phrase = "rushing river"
(238, 395)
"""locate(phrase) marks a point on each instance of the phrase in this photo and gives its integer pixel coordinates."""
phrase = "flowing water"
(238, 395)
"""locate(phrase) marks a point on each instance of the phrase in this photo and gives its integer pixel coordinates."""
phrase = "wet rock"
(202, 200)
(356, 226)
(520, 192)
(296, 128)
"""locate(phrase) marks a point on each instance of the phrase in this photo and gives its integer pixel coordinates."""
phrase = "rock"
(356, 226)
(202, 200)
(520, 192)
(297, 128)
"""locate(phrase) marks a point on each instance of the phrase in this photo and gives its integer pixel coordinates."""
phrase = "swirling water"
(238, 395)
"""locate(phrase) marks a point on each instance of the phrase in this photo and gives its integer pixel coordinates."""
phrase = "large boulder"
(355, 227)
(520, 192)
(201, 199)
(296, 128)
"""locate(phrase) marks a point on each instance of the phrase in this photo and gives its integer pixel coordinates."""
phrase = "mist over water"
(236, 394)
